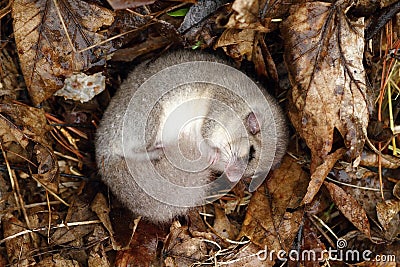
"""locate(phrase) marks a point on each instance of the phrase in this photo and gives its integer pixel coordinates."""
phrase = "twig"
(7, 9)
(61, 225)
(15, 187)
(350, 185)
(63, 25)
(72, 129)
(51, 192)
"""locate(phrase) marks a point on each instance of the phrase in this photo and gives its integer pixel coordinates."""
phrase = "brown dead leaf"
(10, 133)
(57, 260)
(387, 211)
(9, 76)
(318, 177)
(324, 56)
(258, 224)
(238, 44)
(143, 246)
(198, 13)
(359, 179)
(28, 121)
(4, 195)
(264, 64)
(311, 241)
(182, 247)
(19, 248)
(97, 254)
(100, 207)
(350, 208)
(222, 225)
(98, 260)
(244, 37)
(377, 131)
(250, 256)
(371, 159)
(45, 52)
(201, 26)
(396, 190)
(287, 197)
(247, 15)
(47, 172)
(124, 4)
(78, 211)
(28, 127)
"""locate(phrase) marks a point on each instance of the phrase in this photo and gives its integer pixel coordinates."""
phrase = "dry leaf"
(9, 76)
(371, 159)
(238, 44)
(199, 12)
(201, 26)
(78, 211)
(244, 38)
(258, 224)
(222, 225)
(184, 248)
(100, 207)
(263, 63)
(97, 254)
(98, 260)
(251, 256)
(247, 15)
(287, 197)
(324, 55)
(358, 179)
(396, 190)
(350, 208)
(25, 123)
(47, 171)
(311, 241)
(18, 249)
(143, 246)
(44, 49)
(318, 177)
(387, 211)
(377, 131)
(57, 261)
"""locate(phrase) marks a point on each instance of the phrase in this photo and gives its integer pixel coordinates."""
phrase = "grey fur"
(109, 148)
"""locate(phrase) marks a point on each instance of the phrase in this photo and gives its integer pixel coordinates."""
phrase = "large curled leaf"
(324, 53)
(45, 52)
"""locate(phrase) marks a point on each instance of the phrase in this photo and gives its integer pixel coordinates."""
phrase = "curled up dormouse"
(183, 128)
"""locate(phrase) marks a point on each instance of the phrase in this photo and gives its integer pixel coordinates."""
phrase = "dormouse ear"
(252, 123)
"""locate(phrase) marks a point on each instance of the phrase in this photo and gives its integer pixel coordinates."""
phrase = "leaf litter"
(320, 103)
(48, 50)
(313, 201)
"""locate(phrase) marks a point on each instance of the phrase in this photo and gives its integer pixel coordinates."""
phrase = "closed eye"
(252, 151)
